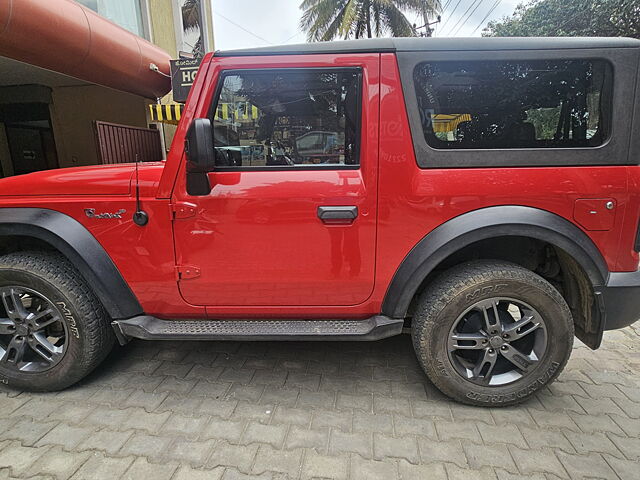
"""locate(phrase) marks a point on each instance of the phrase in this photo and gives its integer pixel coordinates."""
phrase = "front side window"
(289, 118)
(513, 104)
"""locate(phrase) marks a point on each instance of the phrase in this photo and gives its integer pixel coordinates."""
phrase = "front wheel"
(492, 333)
(53, 329)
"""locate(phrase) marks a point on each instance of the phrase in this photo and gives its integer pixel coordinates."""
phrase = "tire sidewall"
(75, 344)
(559, 331)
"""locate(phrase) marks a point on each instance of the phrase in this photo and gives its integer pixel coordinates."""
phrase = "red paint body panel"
(256, 239)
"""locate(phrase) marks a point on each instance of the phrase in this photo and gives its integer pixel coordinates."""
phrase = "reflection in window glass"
(512, 104)
(287, 118)
(126, 13)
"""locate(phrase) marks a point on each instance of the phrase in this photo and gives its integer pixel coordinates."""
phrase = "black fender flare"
(470, 227)
(80, 247)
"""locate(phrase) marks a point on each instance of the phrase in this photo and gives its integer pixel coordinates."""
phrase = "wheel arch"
(487, 223)
(71, 239)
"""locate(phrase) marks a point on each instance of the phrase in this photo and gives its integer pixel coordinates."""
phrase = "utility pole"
(427, 25)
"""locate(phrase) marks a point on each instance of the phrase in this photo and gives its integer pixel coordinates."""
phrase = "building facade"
(67, 76)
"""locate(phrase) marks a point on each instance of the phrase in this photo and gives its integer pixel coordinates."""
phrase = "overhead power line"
(464, 22)
(473, 3)
(491, 10)
(450, 15)
(244, 29)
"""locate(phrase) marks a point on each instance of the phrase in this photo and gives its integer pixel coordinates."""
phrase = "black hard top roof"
(381, 45)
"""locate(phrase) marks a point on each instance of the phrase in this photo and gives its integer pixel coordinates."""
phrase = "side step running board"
(151, 328)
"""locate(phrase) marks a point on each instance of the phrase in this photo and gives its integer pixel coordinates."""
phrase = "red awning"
(64, 36)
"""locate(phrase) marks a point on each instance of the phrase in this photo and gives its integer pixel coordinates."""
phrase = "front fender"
(79, 246)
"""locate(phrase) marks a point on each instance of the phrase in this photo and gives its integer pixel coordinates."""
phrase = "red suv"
(483, 195)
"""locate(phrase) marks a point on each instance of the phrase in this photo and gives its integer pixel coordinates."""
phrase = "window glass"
(512, 104)
(295, 118)
(126, 13)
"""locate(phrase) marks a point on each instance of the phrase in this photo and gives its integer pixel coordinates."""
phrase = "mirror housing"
(198, 146)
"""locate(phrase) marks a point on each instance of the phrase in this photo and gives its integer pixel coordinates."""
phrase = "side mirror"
(198, 146)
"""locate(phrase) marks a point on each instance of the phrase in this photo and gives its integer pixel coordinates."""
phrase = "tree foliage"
(586, 18)
(330, 19)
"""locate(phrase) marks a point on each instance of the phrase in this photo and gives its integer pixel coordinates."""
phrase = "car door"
(282, 225)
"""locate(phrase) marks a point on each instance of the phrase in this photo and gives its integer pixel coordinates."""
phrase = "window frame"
(614, 150)
(358, 133)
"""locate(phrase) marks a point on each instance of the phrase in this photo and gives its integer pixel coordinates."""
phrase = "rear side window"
(297, 118)
(514, 104)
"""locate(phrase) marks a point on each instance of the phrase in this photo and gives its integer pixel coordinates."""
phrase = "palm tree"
(328, 19)
(191, 22)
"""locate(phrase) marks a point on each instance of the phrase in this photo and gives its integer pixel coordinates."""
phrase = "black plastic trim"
(621, 299)
(461, 231)
(146, 327)
(329, 214)
(80, 247)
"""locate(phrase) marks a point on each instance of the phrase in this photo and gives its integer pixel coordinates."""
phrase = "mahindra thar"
(481, 194)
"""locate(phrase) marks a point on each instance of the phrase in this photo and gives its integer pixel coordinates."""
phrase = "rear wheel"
(492, 333)
(53, 330)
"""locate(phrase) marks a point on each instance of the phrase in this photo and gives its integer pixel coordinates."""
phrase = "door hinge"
(186, 272)
(182, 210)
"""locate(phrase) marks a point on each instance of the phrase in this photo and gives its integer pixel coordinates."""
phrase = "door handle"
(337, 215)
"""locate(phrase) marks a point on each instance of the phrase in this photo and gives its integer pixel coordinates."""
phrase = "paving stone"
(415, 390)
(145, 445)
(20, 458)
(630, 447)
(369, 422)
(305, 381)
(432, 451)
(140, 419)
(58, 463)
(186, 472)
(266, 434)
(537, 461)
(317, 466)
(280, 396)
(178, 424)
(581, 466)
(27, 431)
(508, 434)
(180, 403)
(283, 461)
(221, 429)
(464, 413)
(602, 423)
(607, 390)
(35, 408)
(372, 386)
(401, 447)
(334, 419)
(362, 469)
(109, 417)
(413, 426)
(147, 400)
(107, 440)
(141, 468)
(173, 369)
(190, 452)
(301, 437)
(512, 415)
(219, 408)
(424, 408)
(237, 375)
(249, 411)
(560, 403)
(66, 436)
(625, 469)
(431, 471)
(362, 401)
(360, 443)
(110, 396)
(586, 443)
(554, 420)
(599, 406)
(504, 475)
(450, 430)
(275, 378)
(456, 473)
(248, 393)
(489, 456)
(629, 408)
(72, 413)
(292, 416)
(383, 404)
(540, 438)
(99, 467)
(316, 399)
(345, 385)
(204, 372)
(236, 456)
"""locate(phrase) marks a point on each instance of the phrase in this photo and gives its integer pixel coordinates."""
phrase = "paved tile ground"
(319, 410)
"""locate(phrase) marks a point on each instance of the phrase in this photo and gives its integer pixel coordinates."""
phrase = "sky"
(252, 23)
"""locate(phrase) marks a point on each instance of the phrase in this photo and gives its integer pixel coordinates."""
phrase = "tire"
(474, 359)
(58, 332)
